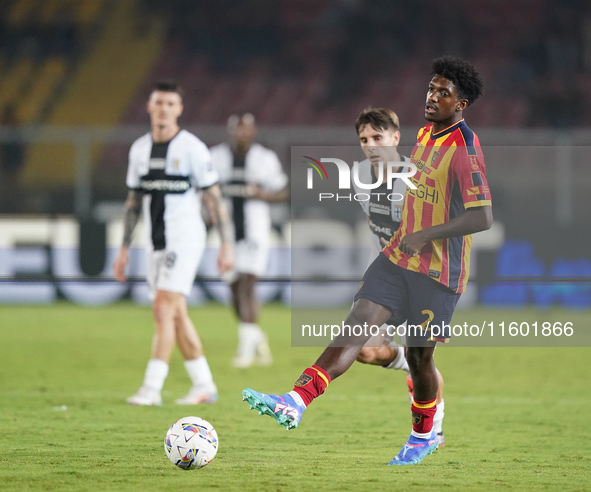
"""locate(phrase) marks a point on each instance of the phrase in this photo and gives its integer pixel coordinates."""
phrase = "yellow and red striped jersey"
(450, 178)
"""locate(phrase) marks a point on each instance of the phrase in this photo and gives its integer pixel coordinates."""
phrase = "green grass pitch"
(516, 418)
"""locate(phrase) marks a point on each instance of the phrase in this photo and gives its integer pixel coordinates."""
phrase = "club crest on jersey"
(176, 163)
(303, 380)
(416, 418)
(434, 157)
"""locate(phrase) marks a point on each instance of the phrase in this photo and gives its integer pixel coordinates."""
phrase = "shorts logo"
(416, 418)
(251, 246)
(360, 285)
(303, 380)
(169, 259)
(434, 274)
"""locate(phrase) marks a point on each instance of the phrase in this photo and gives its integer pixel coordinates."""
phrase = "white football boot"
(252, 348)
(145, 396)
(264, 357)
(200, 394)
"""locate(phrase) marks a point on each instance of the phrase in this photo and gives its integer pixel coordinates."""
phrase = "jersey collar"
(168, 141)
(449, 129)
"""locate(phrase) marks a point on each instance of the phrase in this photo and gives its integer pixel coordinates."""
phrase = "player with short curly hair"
(421, 273)
(462, 74)
(378, 130)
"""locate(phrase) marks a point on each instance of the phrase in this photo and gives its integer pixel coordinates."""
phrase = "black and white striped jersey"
(170, 174)
(261, 167)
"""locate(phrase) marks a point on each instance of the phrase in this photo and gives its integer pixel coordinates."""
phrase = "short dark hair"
(168, 86)
(378, 119)
(462, 73)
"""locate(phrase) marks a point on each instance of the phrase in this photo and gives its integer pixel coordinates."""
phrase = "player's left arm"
(213, 200)
(472, 220)
(468, 172)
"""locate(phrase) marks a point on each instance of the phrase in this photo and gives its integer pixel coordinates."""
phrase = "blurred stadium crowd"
(331, 56)
(334, 56)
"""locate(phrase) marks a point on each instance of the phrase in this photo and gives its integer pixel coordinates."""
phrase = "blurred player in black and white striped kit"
(251, 177)
(169, 168)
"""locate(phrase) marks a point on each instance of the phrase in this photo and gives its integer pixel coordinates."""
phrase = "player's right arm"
(133, 209)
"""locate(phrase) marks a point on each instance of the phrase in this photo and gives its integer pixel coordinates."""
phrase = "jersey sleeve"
(133, 178)
(275, 177)
(470, 172)
(422, 131)
(203, 174)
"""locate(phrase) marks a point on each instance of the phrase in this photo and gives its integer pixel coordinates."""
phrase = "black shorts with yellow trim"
(424, 303)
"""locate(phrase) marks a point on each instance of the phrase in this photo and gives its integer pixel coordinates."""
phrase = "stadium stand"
(95, 93)
(40, 44)
(325, 55)
(332, 57)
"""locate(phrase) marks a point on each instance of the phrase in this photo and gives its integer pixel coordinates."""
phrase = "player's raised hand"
(225, 258)
(120, 264)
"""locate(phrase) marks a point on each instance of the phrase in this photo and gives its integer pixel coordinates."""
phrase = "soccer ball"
(191, 443)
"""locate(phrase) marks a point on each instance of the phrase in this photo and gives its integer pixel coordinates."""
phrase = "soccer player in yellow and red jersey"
(424, 269)
(378, 130)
